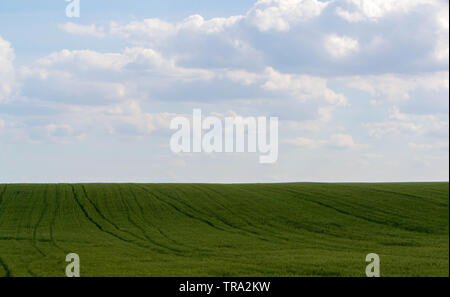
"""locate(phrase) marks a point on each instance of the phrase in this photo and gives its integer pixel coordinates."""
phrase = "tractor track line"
(130, 219)
(22, 216)
(2, 194)
(34, 241)
(303, 226)
(199, 218)
(118, 228)
(148, 223)
(41, 216)
(53, 220)
(181, 211)
(358, 216)
(99, 226)
(245, 231)
(6, 268)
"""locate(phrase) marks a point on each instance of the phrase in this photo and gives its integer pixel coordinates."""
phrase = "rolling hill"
(298, 229)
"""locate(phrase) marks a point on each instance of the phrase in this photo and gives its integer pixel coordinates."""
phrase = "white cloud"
(352, 17)
(397, 87)
(190, 40)
(214, 25)
(373, 10)
(51, 84)
(88, 30)
(83, 60)
(131, 59)
(409, 124)
(129, 119)
(302, 87)
(343, 141)
(74, 123)
(141, 72)
(243, 77)
(237, 44)
(7, 80)
(96, 77)
(266, 15)
(279, 15)
(340, 46)
(428, 146)
(441, 51)
(155, 31)
(303, 142)
(442, 16)
(275, 59)
(152, 30)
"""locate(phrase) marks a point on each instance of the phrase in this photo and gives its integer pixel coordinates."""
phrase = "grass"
(225, 230)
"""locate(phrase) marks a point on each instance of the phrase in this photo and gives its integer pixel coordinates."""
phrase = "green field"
(299, 229)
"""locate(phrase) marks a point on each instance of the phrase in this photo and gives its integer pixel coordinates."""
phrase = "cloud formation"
(340, 46)
(374, 10)
(352, 81)
(280, 15)
(7, 79)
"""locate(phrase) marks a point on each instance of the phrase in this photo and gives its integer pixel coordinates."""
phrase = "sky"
(360, 88)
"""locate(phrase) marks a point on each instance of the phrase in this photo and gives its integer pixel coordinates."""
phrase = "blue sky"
(360, 88)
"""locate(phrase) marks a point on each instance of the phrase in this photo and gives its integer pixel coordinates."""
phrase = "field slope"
(225, 230)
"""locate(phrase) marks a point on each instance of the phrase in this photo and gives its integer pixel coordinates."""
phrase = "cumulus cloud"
(74, 123)
(341, 141)
(297, 59)
(191, 40)
(155, 31)
(302, 87)
(7, 80)
(441, 51)
(91, 77)
(129, 119)
(65, 86)
(373, 10)
(340, 46)
(131, 59)
(280, 15)
(398, 87)
(83, 60)
(266, 15)
(399, 123)
(282, 35)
